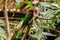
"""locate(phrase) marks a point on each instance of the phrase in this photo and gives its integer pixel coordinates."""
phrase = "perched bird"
(25, 9)
(28, 17)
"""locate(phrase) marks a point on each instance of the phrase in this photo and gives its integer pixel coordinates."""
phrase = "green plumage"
(26, 19)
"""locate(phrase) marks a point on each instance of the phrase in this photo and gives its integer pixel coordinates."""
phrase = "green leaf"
(58, 2)
(3, 33)
(30, 4)
(45, 4)
(40, 36)
(58, 38)
(18, 1)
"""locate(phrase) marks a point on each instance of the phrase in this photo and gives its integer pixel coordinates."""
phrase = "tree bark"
(7, 21)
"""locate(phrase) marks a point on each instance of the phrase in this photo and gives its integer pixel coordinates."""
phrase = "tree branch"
(6, 20)
(55, 30)
(26, 33)
(43, 18)
(34, 23)
(17, 28)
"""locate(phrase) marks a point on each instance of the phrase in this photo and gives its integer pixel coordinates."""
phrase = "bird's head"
(31, 13)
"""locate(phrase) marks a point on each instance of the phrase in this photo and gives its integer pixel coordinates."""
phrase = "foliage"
(40, 36)
(3, 34)
(58, 2)
(35, 33)
(58, 38)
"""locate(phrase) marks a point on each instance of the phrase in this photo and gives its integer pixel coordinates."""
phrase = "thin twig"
(35, 23)
(26, 33)
(17, 28)
(55, 30)
(43, 18)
